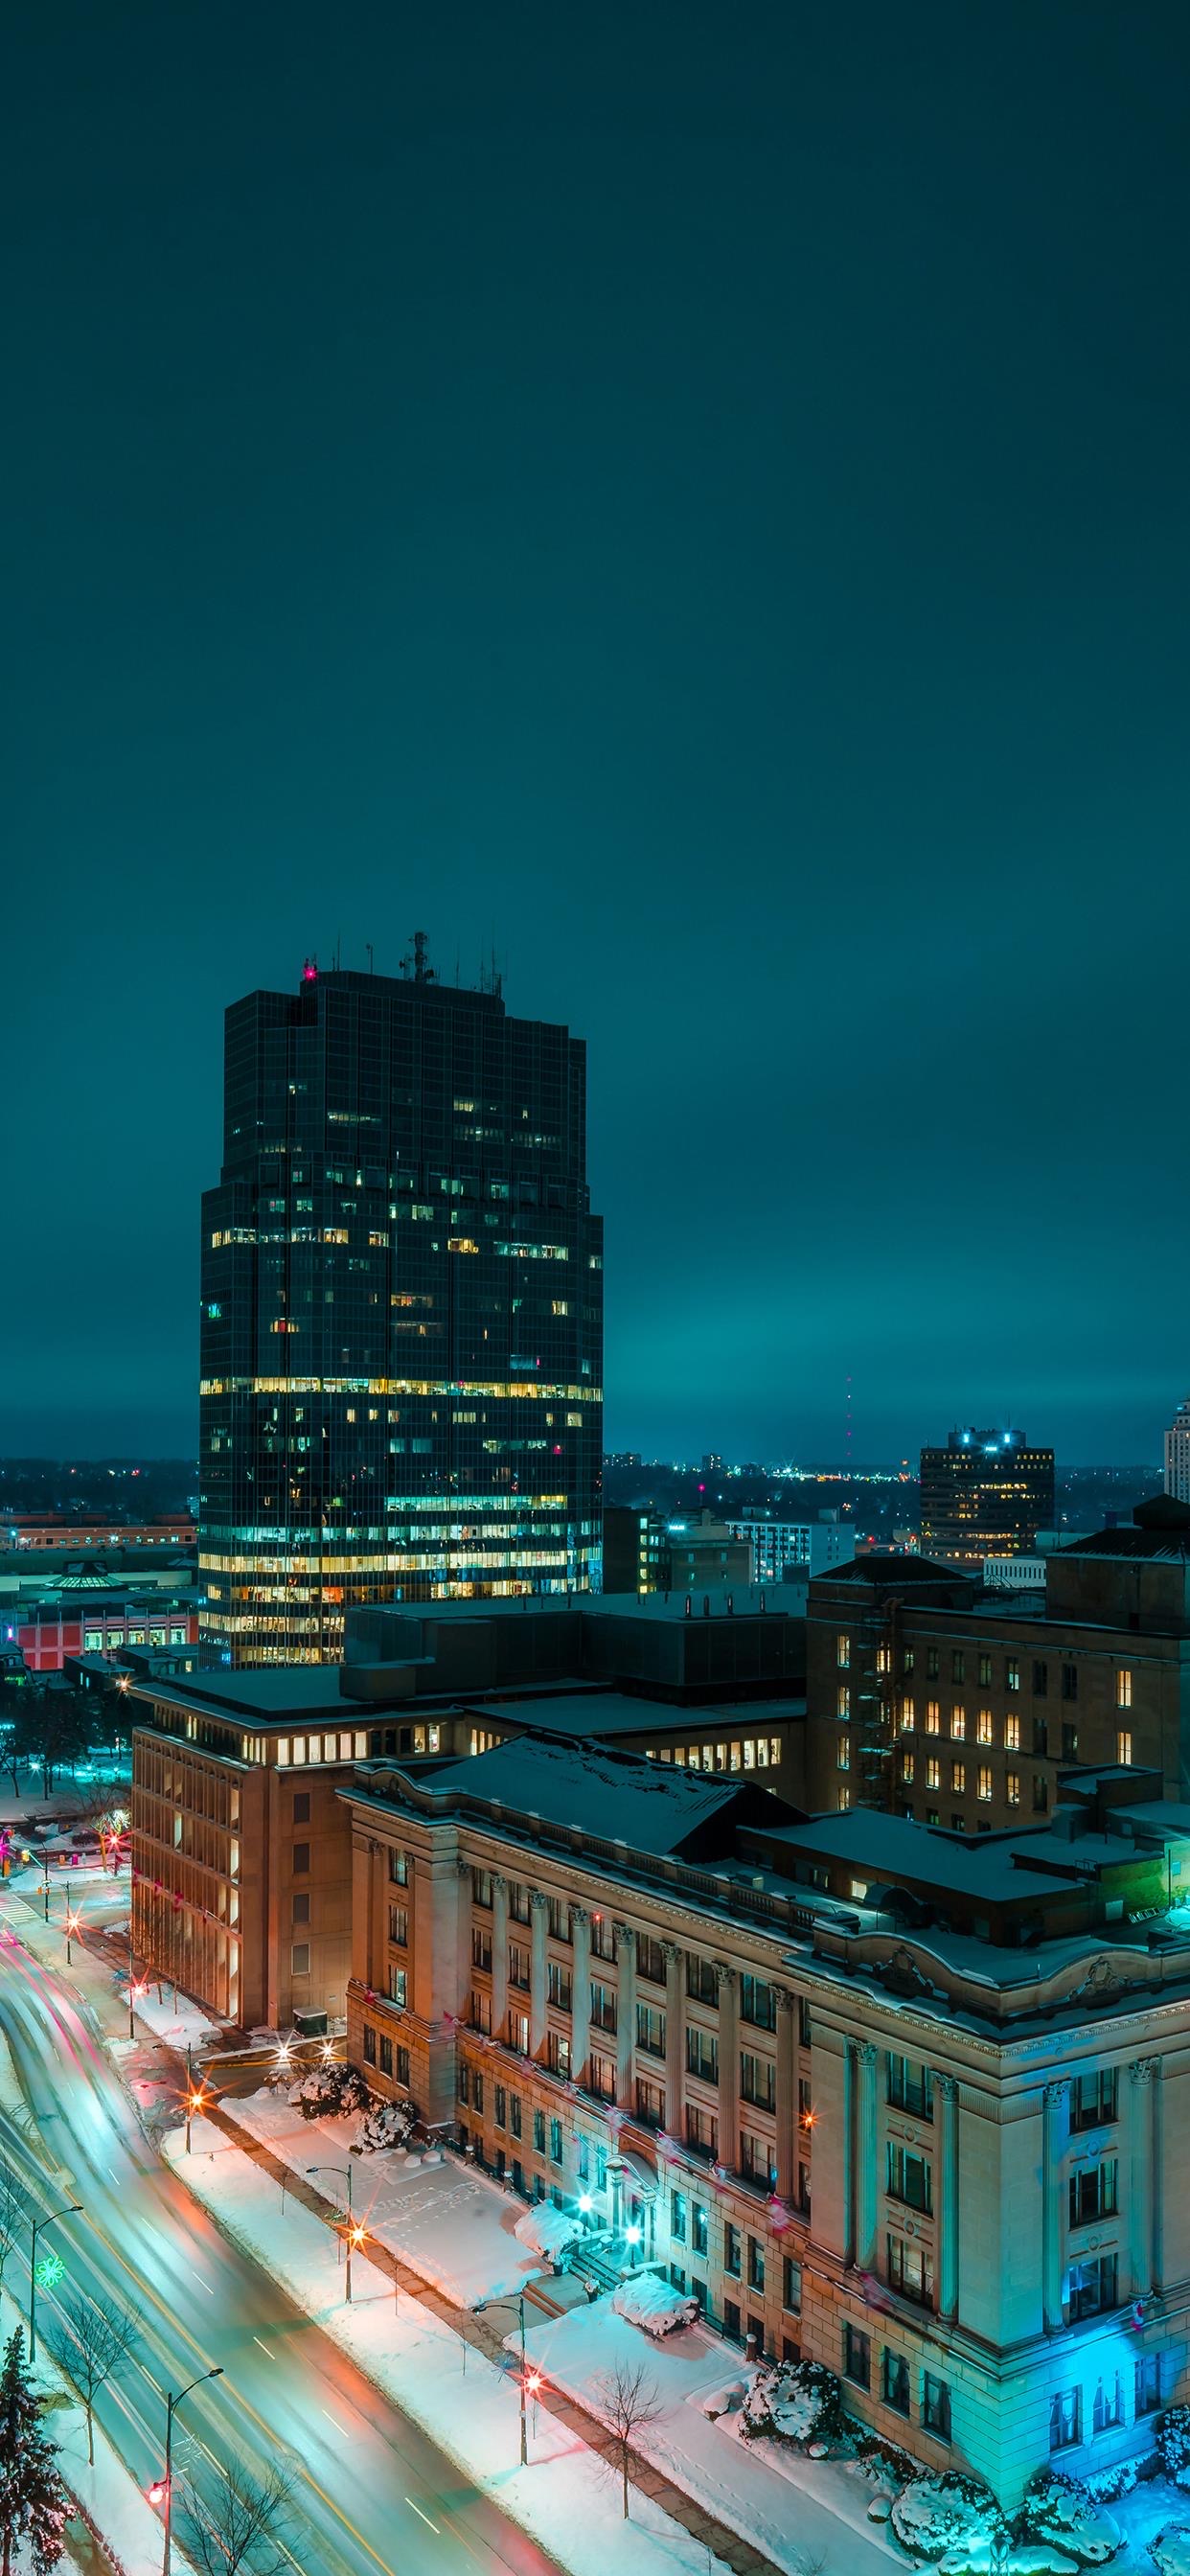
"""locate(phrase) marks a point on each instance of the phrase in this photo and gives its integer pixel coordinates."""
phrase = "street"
(370, 2491)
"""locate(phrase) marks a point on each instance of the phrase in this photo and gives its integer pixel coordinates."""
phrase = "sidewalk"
(726, 2497)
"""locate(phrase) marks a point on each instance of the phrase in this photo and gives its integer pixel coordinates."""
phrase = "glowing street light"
(162, 2489)
(353, 2234)
(137, 1986)
(73, 1924)
(72, 2209)
(197, 2096)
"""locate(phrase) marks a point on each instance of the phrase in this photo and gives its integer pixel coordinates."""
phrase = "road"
(372, 2495)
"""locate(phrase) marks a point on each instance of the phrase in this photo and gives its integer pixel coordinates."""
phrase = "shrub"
(795, 2401)
(1170, 2550)
(939, 2517)
(1060, 2511)
(327, 2090)
(1171, 2436)
(384, 2125)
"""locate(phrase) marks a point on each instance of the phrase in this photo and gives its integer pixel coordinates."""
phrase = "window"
(910, 2271)
(558, 1918)
(603, 1937)
(301, 1860)
(481, 1888)
(933, 1772)
(558, 1985)
(935, 2405)
(702, 1985)
(907, 1766)
(985, 1672)
(731, 2320)
(958, 1723)
(481, 1946)
(983, 1726)
(555, 2142)
(1070, 1681)
(857, 2356)
(650, 2030)
(755, 2263)
(500, 2106)
(1012, 1788)
(1124, 1745)
(398, 1986)
(700, 2231)
(386, 2061)
(791, 2286)
(805, 2028)
(601, 2078)
(908, 1660)
(843, 1652)
(758, 2081)
(908, 1716)
(1108, 2404)
(477, 2090)
(480, 2012)
(1092, 2286)
(757, 2003)
(843, 1701)
(909, 2178)
(702, 2054)
(911, 2087)
(1012, 1735)
(299, 1959)
(983, 1784)
(398, 1869)
(1123, 1689)
(1041, 1735)
(1094, 2191)
(557, 2049)
(958, 1665)
(301, 1807)
(933, 1717)
(731, 2250)
(1012, 1674)
(702, 2131)
(758, 2159)
(958, 1778)
(515, 2115)
(1148, 2383)
(1041, 1681)
(650, 1960)
(1064, 2420)
(463, 2085)
(650, 2103)
(894, 2381)
(1094, 2098)
(603, 2006)
(678, 2212)
(843, 1800)
(1069, 1741)
(539, 2133)
(1041, 1795)
(369, 2045)
(843, 1753)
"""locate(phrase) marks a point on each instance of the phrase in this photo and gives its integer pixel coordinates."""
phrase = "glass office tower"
(402, 1311)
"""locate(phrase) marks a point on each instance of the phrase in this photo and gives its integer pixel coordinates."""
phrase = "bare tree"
(628, 2402)
(13, 2213)
(234, 2525)
(95, 2339)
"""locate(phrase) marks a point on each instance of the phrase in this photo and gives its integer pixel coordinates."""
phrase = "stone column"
(625, 2013)
(1142, 2199)
(539, 1914)
(1053, 2232)
(499, 1958)
(946, 2088)
(580, 1992)
(729, 2068)
(675, 2043)
(864, 2053)
(787, 2131)
(1158, 2177)
(849, 2212)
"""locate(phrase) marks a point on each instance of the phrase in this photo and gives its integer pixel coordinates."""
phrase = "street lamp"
(73, 2209)
(196, 2100)
(45, 1862)
(72, 1925)
(164, 2489)
(137, 1986)
(508, 2299)
(355, 2235)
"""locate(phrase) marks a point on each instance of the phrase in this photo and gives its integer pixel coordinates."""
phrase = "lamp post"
(72, 2209)
(171, 2405)
(45, 1863)
(72, 1925)
(508, 2299)
(355, 2235)
(195, 2101)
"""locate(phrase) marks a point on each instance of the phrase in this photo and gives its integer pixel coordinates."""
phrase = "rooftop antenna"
(368, 946)
(417, 964)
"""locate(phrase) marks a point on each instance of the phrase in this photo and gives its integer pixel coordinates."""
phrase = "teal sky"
(696, 497)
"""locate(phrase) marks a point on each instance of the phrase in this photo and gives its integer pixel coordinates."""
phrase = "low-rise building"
(780, 1548)
(903, 2102)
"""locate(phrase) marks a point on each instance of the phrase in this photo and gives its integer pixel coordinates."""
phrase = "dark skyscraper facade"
(986, 1494)
(402, 1311)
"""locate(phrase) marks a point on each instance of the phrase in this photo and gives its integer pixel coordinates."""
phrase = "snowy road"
(372, 2494)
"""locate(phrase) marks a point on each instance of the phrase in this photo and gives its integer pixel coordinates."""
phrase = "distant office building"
(66, 1530)
(645, 1552)
(1014, 1573)
(402, 1311)
(1177, 1455)
(986, 1494)
(97, 1623)
(779, 1547)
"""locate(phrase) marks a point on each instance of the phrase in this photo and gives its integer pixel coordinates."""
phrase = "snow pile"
(547, 2231)
(1171, 2436)
(1059, 2510)
(1170, 2551)
(646, 2300)
(798, 2401)
(329, 2089)
(384, 2125)
(944, 2518)
(1025, 2558)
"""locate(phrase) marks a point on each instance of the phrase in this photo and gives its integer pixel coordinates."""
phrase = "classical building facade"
(872, 2129)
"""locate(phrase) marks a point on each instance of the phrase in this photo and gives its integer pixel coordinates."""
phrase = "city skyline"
(751, 600)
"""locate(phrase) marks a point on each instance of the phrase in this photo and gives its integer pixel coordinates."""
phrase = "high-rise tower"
(402, 1311)
(986, 1494)
(1177, 1454)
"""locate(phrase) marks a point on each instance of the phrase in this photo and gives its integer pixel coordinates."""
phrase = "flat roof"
(648, 1806)
(278, 1694)
(595, 1712)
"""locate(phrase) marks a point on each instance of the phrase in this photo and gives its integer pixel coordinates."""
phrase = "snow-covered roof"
(650, 1806)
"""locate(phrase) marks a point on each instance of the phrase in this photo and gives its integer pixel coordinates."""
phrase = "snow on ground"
(451, 2224)
(107, 2495)
(746, 2485)
(567, 2497)
(180, 2023)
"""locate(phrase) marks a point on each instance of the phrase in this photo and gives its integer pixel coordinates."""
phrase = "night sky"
(696, 498)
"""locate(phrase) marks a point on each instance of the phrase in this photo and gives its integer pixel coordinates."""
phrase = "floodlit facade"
(879, 2133)
(1177, 1455)
(402, 1312)
(986, 1494)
